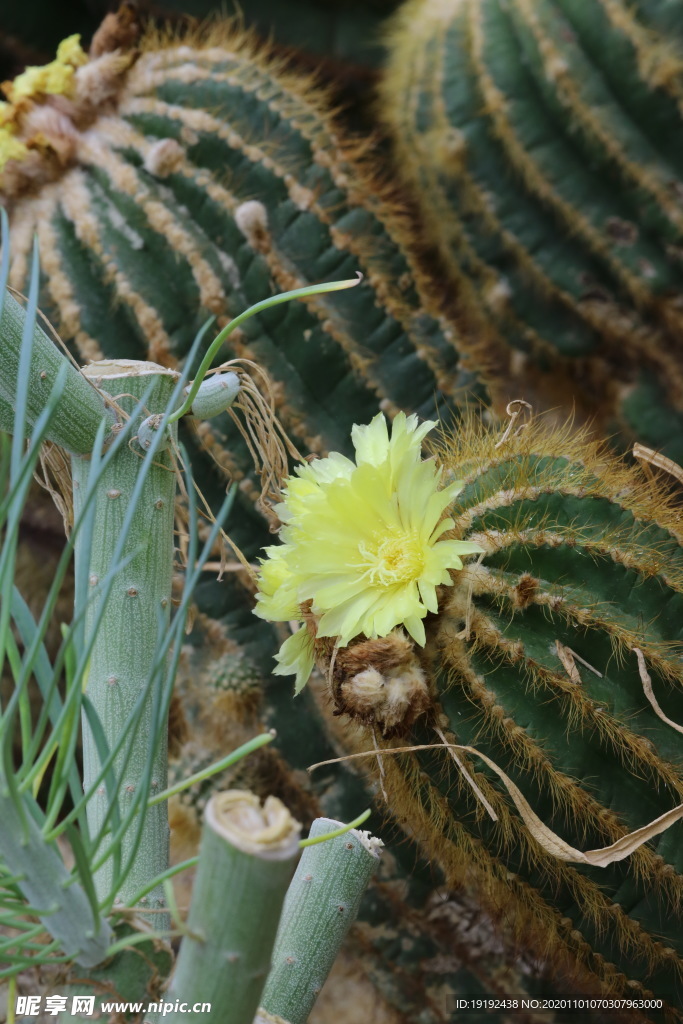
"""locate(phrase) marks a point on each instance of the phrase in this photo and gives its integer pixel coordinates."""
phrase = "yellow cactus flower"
(11, 148)
(54, 78)
(363, 542)
(71, 52)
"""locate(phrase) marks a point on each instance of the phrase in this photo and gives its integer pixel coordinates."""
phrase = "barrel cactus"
(537, 719)
(540, 141)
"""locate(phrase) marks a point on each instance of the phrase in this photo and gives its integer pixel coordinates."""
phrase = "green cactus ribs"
(539, 138)
(533, 662)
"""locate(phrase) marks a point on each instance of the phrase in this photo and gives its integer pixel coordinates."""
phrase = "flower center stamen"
(394, 559)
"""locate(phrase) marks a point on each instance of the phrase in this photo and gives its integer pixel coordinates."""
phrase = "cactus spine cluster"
(539, 139)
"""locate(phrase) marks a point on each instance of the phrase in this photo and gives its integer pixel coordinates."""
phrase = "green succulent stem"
(322, 903)
(77, 416)
(246, 860)
(128, 625)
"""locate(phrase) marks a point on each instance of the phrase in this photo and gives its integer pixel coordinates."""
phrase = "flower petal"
(416, 628)
(371, 442)
(296, 657)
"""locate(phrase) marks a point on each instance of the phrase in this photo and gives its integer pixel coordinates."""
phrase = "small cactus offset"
(539, 137)
(544, 697)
